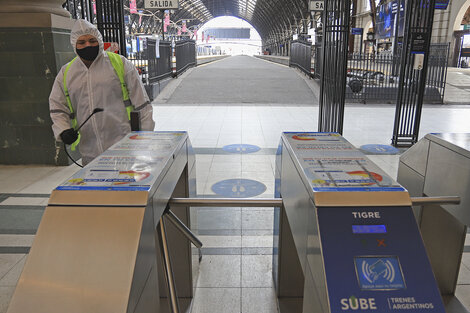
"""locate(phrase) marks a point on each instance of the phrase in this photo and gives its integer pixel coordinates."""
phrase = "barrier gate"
(346, 238)
(345, 235)
(98, 246)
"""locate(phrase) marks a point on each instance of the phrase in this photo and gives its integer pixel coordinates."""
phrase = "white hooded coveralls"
(97, 87)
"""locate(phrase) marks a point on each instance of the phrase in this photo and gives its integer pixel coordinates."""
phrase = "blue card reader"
(375, 261)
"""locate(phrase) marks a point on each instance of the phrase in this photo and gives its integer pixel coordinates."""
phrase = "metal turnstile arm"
(277, 202)
(183, 228)
(161, 228)
(435, 200)
(168, 270)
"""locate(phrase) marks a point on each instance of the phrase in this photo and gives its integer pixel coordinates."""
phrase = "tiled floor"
(235, 273)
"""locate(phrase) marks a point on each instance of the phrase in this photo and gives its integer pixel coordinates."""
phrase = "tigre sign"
(161, 4)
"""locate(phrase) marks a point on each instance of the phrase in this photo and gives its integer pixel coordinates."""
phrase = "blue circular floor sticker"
(379, 149)
(240, 148)
(238, 188)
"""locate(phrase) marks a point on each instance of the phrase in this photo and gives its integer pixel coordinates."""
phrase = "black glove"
(69, 136)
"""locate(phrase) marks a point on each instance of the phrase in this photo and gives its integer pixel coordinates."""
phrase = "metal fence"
(159, 68)
(373, 78)
(108, 15)
(185, 55)
(83, 9)
(152, 69)
(301, 56)
(317, 59)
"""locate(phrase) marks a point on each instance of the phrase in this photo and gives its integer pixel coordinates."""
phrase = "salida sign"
(161, 4)
(315, 5)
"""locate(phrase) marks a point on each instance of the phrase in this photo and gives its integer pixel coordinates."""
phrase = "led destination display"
(369, 229)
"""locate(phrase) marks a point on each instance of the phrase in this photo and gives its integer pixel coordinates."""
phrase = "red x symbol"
(381, 243)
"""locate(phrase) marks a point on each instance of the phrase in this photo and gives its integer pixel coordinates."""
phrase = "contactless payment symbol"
(379, 273)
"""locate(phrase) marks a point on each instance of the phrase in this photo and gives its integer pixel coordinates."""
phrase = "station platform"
(234, 111)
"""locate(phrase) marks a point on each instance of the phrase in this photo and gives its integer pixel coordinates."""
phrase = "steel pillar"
(335, 57)
(413, 72)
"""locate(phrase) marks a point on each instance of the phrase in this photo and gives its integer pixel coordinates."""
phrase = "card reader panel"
(375, 261)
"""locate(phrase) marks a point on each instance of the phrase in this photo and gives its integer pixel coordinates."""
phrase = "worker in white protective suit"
(92, 82)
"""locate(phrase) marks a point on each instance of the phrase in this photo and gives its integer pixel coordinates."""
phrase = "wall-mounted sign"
(419, 42)
(161, 4)
(357, 31)
(316, 5)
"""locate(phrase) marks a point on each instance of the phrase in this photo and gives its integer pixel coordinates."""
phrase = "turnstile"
(439, 164)
(96, 249)
(345, 238)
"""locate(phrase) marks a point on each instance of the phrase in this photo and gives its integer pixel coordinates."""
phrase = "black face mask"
(88, 53)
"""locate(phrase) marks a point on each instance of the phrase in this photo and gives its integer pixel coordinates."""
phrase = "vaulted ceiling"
(271, 18)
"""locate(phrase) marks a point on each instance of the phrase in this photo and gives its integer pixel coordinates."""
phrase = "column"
(34, 45)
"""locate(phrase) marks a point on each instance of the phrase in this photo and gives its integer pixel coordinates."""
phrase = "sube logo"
(354, 304)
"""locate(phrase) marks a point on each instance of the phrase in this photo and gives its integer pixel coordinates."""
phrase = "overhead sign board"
(161, 4)
(316, 5)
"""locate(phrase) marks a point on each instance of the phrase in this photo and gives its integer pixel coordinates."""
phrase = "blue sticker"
(379, 149)
(241, 148)
(238, 188)
(379, 273)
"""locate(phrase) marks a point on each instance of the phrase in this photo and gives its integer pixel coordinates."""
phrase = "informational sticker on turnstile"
(133, 163)
(375, 261)
(331, 163)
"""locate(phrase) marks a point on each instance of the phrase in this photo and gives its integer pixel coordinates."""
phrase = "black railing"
(159, 68)
(110, 22)
(83, 9)
(436, 77)
(152, 69)
(301, 56)
(374, 78)
(108, 15)
(185, 55)
(317, 57)
(371, 77)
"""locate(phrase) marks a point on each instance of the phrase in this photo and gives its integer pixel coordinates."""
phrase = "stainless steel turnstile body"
(439, 164)
(318, 175)
(96, 249)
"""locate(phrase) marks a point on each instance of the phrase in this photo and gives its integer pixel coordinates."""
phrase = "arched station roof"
(273, 19)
